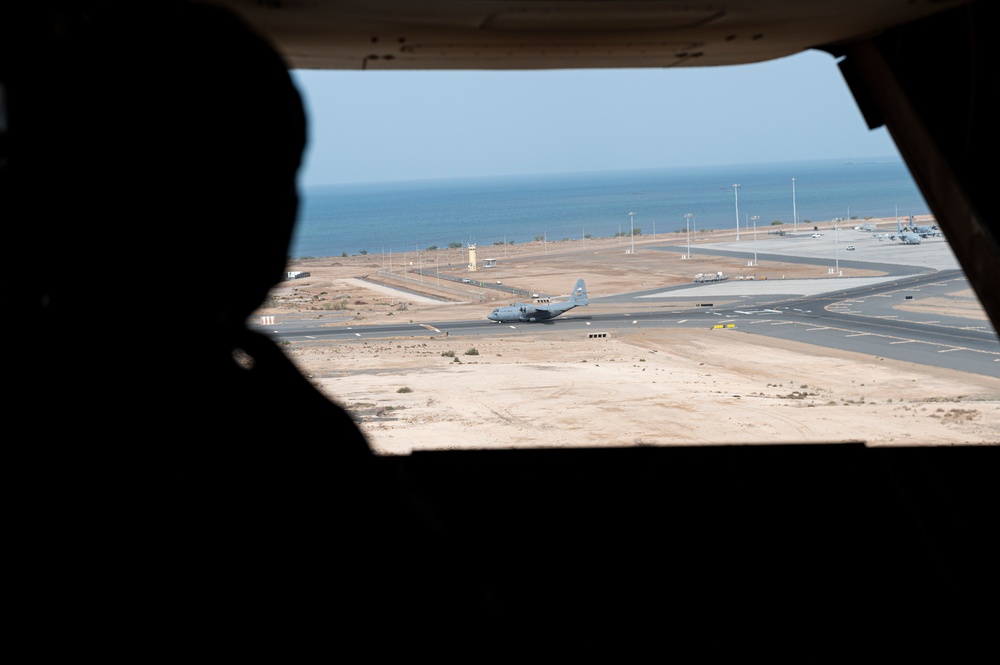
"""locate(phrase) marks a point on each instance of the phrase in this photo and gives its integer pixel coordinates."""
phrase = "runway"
(861, 314)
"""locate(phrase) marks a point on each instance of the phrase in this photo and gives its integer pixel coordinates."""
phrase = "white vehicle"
(817, 235)
(850, 248)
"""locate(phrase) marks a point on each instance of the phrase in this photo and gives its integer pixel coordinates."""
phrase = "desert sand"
(542, 387)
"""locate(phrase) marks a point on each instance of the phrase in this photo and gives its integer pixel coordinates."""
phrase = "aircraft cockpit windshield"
(758, 271)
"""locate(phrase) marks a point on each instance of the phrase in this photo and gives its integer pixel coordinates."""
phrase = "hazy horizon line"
(881, 159)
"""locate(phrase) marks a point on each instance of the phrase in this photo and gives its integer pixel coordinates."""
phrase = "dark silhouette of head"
(154, 150)
(169, 138)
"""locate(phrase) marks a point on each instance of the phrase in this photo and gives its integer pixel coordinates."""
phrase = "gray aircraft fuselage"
(529, 312)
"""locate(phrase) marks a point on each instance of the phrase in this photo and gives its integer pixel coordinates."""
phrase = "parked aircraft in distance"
(532, 312)
(905, 236)
(922, 231)
(926, 231)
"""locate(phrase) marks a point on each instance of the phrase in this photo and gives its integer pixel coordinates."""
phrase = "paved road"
(855, 314)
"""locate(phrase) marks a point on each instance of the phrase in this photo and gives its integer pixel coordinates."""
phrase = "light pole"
(631, 229)
(688, 218)
(755, 218)
(736, 193)
(836, 244)
(795, 214)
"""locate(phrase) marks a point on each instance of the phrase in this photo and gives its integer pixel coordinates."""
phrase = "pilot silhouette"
(154, 151)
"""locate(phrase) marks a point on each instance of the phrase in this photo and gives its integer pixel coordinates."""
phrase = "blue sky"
(373, 126)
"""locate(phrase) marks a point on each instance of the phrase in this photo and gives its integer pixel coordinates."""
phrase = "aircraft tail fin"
(579, 296)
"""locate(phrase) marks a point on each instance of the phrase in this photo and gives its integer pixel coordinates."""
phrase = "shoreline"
(701, 236)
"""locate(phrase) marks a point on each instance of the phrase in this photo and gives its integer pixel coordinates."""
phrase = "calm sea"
(416, 215)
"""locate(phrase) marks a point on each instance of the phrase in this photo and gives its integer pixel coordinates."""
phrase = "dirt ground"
(541, 387)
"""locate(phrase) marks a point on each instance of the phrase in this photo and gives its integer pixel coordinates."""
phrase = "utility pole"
(687, 218)
(736, 193)
(795, 214)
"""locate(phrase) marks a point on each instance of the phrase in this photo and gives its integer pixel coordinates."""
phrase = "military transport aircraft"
(906, 236)
(533, 312)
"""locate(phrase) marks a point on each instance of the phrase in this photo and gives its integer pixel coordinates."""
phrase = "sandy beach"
(543, 387)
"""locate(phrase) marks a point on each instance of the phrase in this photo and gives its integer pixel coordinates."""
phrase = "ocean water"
(416, 215)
